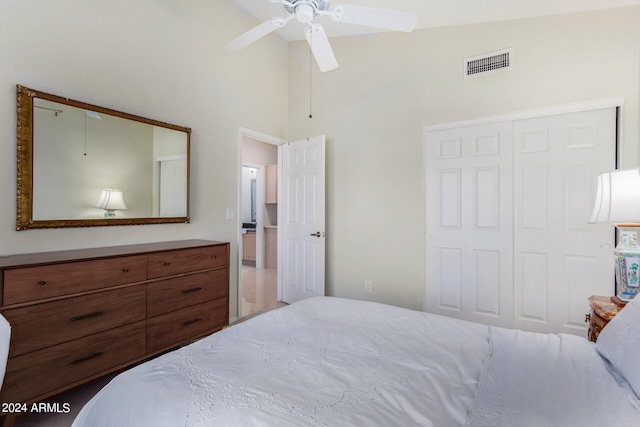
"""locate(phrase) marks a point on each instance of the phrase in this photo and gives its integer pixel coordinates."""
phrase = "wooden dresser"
(78, 315)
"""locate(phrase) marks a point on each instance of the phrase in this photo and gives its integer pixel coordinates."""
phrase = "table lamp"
(111, 200)
(618, 202)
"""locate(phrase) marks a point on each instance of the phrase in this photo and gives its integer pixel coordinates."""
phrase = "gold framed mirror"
(81, 165)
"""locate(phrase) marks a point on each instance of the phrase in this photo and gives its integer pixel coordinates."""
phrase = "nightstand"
(603, 309)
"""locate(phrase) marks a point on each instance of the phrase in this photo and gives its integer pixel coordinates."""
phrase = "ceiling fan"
(306, 10)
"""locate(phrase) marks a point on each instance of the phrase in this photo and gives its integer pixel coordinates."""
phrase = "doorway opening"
(258, 258)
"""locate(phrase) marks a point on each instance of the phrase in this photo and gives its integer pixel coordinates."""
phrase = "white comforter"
(336, 362)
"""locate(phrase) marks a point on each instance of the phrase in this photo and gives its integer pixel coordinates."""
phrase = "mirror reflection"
(97, 165)
(78, 153)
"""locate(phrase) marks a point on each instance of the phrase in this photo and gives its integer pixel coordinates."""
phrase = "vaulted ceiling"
(433, 13)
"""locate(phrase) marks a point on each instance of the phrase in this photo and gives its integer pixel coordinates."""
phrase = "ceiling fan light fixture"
(304, 13)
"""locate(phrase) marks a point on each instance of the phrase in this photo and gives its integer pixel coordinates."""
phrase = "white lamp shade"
(618, 197)
(111, 199)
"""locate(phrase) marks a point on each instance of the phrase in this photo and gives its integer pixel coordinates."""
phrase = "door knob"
(317, 234)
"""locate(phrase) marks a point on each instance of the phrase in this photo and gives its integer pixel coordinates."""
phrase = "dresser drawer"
(178, 326)
(174, 294)
(34, 283)
(34, 374)
(186, 260)
(42, 325)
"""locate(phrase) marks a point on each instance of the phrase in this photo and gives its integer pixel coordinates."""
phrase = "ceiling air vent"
(488, 63)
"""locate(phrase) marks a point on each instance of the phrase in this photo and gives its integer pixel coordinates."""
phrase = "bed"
(338, 362)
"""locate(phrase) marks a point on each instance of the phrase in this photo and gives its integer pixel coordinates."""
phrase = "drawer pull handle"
(87, 316)
(191, 322)
(42, 283)
(214, 256)
(126, 270)
(84, 359)
(166, 264)
(192, 290)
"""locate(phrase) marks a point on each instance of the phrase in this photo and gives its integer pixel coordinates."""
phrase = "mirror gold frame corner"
(25, 166)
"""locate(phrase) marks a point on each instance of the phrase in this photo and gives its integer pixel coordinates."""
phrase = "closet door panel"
(556, 162)
(469, 216)
(532, 271)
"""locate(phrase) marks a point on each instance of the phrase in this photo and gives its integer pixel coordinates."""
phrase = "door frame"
(268, 139)
(615, 102)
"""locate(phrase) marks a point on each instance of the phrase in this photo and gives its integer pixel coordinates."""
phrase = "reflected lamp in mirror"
(618, 202)
(111, 200)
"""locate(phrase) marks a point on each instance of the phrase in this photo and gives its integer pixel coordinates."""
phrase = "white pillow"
(619, 343)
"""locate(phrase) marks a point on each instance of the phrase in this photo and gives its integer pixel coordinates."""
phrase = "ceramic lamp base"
(627, 258)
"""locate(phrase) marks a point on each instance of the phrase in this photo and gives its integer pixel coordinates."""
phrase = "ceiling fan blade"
(255, 34)
(374, 17)
(320, 47)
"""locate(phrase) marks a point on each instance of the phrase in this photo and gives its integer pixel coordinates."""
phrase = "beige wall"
(160, 59)
(258, 153)
(163, 60)
(388, 87)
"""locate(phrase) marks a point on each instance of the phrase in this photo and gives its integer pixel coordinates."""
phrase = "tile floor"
(259, 290)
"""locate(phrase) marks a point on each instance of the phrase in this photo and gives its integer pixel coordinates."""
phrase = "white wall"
(160, 59)
(388, 87)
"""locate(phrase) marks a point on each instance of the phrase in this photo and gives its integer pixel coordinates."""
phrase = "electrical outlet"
(368, 286)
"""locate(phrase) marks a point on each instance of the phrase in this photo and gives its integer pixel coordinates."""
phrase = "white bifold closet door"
(470, 223)
(508, 242)
(560, 259)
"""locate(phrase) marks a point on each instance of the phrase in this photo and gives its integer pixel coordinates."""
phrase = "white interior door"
(560, 260)
(173, 187)
(302, 221)
(469, 210)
